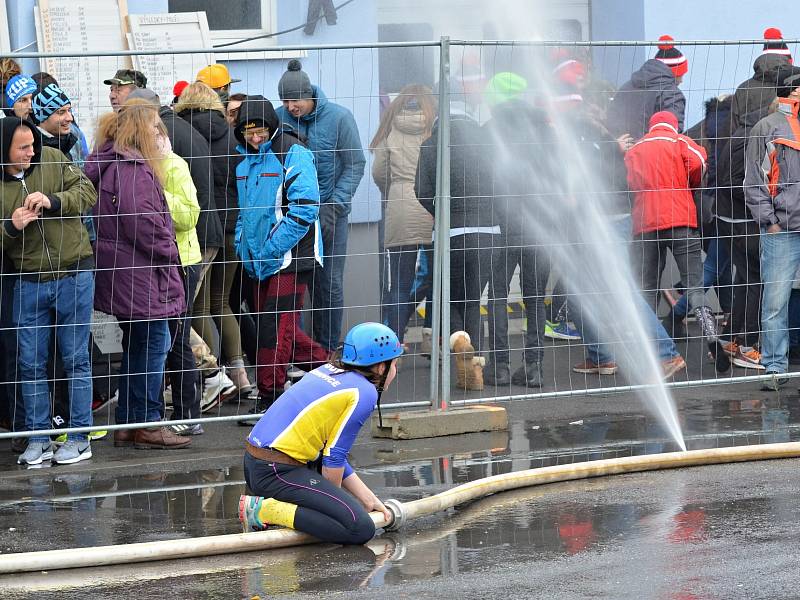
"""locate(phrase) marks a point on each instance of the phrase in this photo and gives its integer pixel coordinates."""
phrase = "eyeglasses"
(262, 133)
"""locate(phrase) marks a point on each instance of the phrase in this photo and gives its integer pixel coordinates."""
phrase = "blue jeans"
(398, 279)
(599, 353)
(145, 345)
(67, 304)
(716, 272)
(327, 290)
(780, 257)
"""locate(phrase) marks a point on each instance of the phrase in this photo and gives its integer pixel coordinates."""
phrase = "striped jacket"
(772, 168)
(663, 168)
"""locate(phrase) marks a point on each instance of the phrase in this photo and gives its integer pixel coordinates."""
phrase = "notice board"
(75, 27)
(166, 32)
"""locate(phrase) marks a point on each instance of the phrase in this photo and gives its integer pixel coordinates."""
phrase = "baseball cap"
(127, 77)
(215, 76)
(145, 94)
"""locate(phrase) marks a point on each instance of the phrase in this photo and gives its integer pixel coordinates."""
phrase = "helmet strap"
(380, 387)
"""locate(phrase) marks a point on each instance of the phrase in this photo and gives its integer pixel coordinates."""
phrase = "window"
(231, 20)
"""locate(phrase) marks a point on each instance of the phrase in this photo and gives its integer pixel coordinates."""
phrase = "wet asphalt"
(727, 531)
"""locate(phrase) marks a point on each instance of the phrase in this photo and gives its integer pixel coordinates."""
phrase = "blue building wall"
(713, 70)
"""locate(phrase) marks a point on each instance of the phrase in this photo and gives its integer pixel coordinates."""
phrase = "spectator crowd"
(204, 223)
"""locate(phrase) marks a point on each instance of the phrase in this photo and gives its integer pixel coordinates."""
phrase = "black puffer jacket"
(470, 202)
(224, 158)
(652, 88)
(193, 148)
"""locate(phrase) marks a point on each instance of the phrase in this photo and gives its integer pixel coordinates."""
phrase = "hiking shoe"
(35, 453)
(249, 507)
(562, 330)
(775, 383)
(73, 451)
(672, 365)
(590, 368)
(748, 360)
(497, 374)
(184, 429)
(529, 375)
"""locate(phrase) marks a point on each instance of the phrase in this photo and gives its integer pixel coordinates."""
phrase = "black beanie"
(294, 83)
(255, 111)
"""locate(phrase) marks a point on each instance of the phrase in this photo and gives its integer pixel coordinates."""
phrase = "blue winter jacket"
(277, 227)
(331, 133)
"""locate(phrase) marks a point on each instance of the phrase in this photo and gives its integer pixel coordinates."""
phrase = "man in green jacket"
(42, 198)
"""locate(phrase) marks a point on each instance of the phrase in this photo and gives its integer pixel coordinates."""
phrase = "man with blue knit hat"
(331, 134)
(19, 91)
(52, 114)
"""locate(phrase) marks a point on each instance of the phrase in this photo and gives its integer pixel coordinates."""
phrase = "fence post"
(440, 394)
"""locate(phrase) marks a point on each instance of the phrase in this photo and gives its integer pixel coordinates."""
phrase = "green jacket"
(66, 241)
(181, 198)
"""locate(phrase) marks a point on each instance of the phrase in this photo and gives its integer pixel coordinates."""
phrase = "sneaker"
(731, 348)
(212, 391)
(672, 365)
(249, 507)
(93, 435)
(73, 451)
(99, 402)
(35, 453)
(775, 383)
(184, 429)
(748, 360)
(294, 373)
(590, 368)
(561, 330)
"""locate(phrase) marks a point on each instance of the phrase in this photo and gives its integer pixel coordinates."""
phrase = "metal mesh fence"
(512, 191)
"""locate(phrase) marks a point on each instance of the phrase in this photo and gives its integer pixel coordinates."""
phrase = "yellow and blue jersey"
(320, 414)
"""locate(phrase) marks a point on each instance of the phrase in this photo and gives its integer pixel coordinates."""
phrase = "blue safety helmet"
(368, 344)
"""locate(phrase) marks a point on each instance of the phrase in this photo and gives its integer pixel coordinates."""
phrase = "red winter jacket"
(663, 167)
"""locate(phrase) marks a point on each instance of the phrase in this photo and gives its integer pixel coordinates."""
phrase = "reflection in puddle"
(92, 509)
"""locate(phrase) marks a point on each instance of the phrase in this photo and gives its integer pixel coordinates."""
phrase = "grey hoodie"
(651, 89)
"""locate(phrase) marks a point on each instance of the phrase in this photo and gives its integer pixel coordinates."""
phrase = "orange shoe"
(672, 366)
(748, 360)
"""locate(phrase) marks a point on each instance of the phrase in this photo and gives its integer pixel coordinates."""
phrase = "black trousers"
(470, 270)
(743, 242)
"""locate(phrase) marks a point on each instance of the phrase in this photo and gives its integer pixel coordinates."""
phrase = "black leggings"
(325, 511)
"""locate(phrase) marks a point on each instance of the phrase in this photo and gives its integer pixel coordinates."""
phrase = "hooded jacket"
(181, 197)
(193, 148)
(57, 243)
(394, 170)
(277, 227)
(651, 89)
(224, 159)
(138, 265)
(663, 168)
(525, 172)
(759, 91)
(471, 205)
(65, 143)
(772, 168)
(330, 132)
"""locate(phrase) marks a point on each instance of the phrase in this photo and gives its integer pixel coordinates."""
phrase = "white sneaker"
(229, 388)
(213, 390)
(294, 373)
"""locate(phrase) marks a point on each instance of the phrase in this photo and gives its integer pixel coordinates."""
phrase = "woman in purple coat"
(138, 267)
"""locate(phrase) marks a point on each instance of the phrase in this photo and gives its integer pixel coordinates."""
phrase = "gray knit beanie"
(294, 83)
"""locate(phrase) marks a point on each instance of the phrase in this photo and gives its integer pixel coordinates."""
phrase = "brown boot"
(159, 437)
(469, 368)
(123, 437)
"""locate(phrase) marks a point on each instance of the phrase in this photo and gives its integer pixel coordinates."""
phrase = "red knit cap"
(672, 57)
(774, 44)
